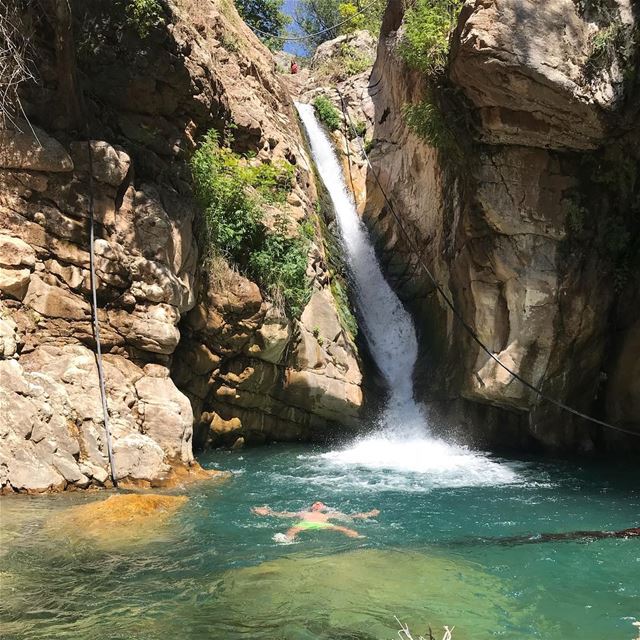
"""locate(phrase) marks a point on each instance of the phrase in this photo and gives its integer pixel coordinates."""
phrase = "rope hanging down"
(317, 33)
(96, 324)
(451, 305)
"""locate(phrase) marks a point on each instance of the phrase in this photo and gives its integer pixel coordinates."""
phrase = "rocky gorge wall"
(522, 230)
(186, 341)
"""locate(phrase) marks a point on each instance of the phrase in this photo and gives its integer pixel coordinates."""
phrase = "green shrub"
(353, 60)
(273, 181)
(233, 221)
(427, 120)
(308, 229)
(425, 42)
(360, 128)
(327, 113)
(575, 217)
(144, 16)
(229, 42)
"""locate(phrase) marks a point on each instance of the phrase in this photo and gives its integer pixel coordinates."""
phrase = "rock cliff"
(529, 224)
(185, 341)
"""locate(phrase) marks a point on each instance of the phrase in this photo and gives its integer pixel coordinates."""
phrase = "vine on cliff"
(425, 40)
(424, 46)
(233, 193)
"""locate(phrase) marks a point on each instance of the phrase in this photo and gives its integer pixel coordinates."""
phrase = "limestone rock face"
(360, 42)
(149, 100)
(53, 434)
(44, 270)
(495, 229)
(253, 374)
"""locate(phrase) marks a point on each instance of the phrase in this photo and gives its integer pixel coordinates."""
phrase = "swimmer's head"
(318, 506)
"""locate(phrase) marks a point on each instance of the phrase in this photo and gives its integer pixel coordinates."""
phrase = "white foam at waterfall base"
(404, 444)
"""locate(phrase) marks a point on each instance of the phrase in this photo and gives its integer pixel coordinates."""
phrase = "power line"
(451, 305)
(317, 33)
(96, 323)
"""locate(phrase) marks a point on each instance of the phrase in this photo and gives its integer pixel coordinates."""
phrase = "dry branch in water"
(15, 65)
(405, 634)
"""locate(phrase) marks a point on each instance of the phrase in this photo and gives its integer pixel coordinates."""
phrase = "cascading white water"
(403, 442)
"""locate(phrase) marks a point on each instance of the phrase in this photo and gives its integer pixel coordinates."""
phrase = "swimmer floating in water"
(317, 517)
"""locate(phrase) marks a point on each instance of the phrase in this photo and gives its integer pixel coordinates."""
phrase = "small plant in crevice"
(232, 194)
(427, 121)
(610, 236)
(337, 268)
(360, 128)
(317, 336)
(347, 319)
(229, 43)
(575, 215)
(613, 44)
(327, 113)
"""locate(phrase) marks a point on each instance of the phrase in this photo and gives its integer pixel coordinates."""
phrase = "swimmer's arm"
(338, 515)
(366, 514)
(268, 511)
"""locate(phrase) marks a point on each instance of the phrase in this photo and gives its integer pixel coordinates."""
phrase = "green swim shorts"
(309, 526)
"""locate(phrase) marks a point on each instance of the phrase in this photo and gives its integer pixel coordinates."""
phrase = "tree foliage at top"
(315, 16)
(265, 17)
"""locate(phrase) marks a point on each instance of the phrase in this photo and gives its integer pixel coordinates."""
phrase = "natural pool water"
(432, 557)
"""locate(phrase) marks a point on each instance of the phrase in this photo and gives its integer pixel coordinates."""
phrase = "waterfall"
(403, 440)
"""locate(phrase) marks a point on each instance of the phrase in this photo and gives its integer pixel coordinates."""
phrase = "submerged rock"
(120, 519)
(422, 589)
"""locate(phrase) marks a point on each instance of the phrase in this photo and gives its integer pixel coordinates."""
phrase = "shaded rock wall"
(495, 227)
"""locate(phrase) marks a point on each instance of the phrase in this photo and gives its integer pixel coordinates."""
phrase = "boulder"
(148, 327)
(360, 42)
(166, 414)
(34, 150)
(53, 428)
(55, 302)
(109, 165)
(15, 252)
(320, 316)
(272, 337)
(14, 282)
(138, 457)
(8, 335)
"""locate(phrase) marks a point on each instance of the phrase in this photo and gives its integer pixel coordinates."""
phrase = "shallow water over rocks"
(436, 555)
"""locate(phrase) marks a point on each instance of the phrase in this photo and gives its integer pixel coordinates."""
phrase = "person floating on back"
(317, 517)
